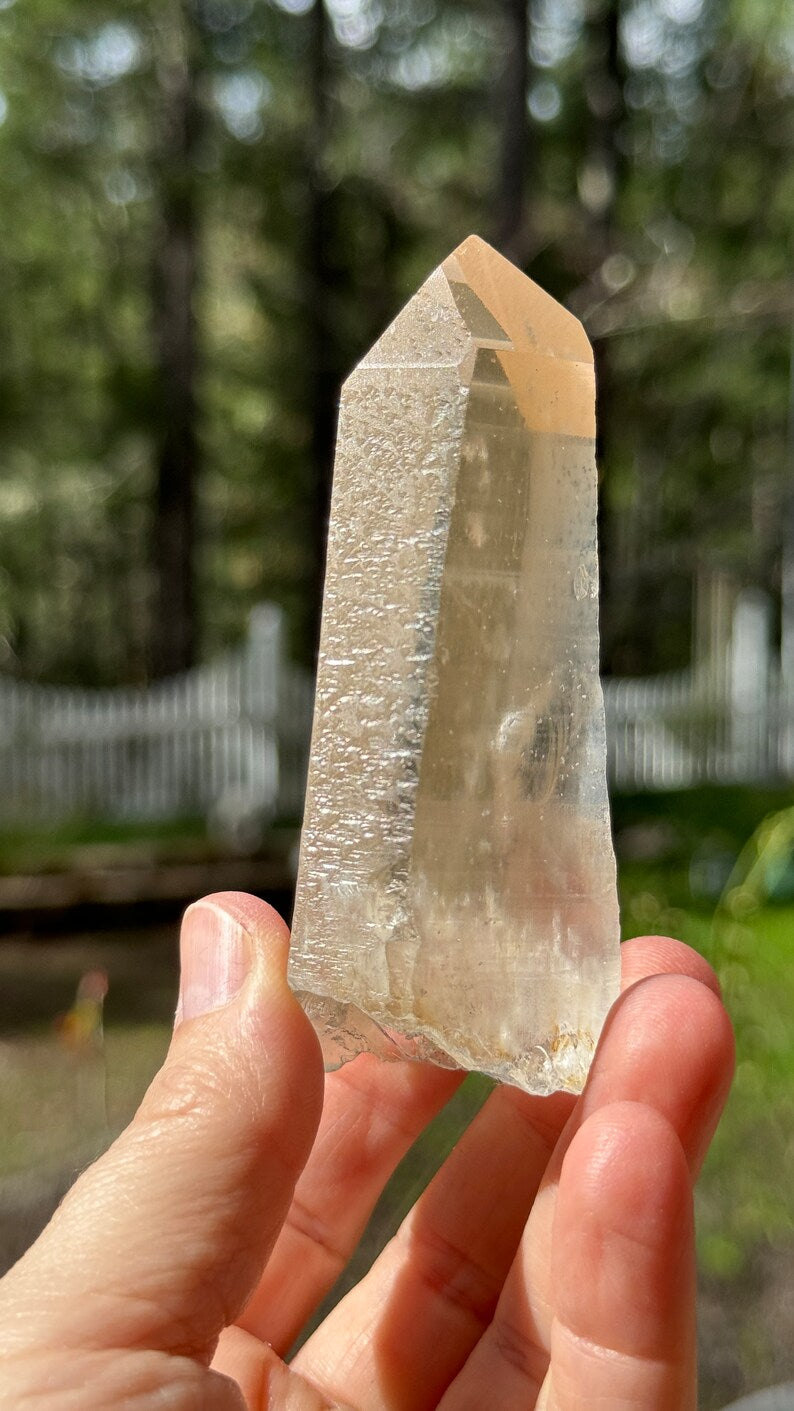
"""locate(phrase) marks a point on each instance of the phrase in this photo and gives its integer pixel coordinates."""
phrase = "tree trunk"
(604, 82)
(321, 364)
(606, 165)
(173, 632)
(510, 227)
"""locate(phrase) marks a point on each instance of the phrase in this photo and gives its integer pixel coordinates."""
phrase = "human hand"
(548, 1265)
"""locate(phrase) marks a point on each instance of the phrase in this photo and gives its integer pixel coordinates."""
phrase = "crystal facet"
(456, 893)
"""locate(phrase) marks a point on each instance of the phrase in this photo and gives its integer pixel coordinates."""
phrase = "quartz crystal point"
(456, 893)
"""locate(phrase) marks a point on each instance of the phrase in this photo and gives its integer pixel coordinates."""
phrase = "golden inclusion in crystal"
(456, 893)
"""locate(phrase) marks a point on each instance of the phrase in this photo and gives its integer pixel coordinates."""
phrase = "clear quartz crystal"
(456, 893)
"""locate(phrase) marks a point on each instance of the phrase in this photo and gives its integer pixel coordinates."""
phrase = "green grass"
(51, 1104)
(745, 1213)
(730, 813)
(747, 1193)
(26, 850)
(744, 1193)
(54, 1107)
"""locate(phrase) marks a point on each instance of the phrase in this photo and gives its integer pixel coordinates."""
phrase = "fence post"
(750, 661)
(262, 667)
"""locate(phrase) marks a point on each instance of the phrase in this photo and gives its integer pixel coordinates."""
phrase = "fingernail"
(215, 954)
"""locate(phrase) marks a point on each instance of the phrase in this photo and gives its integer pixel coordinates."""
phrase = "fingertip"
(622, 1153)
(235, 951)
(668, 1042)
(642, 956)
(624, 1232)
(677, 1000)
(257, 917)
(229, 942)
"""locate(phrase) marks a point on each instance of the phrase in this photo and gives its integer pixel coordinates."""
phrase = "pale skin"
(549, 1265)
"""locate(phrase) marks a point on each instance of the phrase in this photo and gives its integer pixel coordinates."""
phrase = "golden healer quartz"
(456, 894)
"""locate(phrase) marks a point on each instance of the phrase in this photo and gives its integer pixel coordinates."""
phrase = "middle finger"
(400, 1336)
(372, 1113)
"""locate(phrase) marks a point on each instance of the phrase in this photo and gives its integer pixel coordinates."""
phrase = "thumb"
(162, 1241)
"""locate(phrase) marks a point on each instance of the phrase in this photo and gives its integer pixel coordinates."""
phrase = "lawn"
(49, 849)
(676, 853)
(54, 1103)
(749, 939)
(674, 850)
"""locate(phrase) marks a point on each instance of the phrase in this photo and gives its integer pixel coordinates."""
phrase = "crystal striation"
(456, 894)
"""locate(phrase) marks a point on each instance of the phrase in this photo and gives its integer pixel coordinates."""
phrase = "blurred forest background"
(209, 209)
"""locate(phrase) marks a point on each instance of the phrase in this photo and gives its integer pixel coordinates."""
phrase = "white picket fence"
(669, 732)
(232, 737)
(730, 720)
(229, 736)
